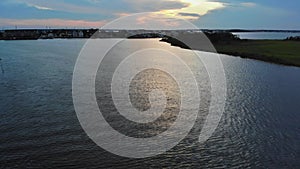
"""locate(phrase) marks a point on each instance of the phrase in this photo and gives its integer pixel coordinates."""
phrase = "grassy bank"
(276, 51)
(286, 52)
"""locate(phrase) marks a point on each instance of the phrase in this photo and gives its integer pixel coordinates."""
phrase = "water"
(39, 128)
(266, 35)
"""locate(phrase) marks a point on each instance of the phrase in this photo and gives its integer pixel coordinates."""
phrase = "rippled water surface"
(39, 127)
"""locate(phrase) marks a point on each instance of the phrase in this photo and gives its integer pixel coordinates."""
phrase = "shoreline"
(256, 56)
(286, 52)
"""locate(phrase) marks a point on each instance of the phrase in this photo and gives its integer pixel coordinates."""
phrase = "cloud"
(184, 9)
(189, 14)
(59, 5)
(151, 20)
(40, 7)
(110, 9)
(51, 22)
(102, 7)
(122, 14)
(155, 5)
(94, 1)
(195, 10)
(248, 4)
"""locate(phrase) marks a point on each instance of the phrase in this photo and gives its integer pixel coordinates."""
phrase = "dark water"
(266, 35)
(39, 128)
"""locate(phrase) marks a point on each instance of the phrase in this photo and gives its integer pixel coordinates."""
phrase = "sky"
(211, 14)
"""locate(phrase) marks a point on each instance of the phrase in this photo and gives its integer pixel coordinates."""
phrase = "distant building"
(51, 35)
(74, 34)
(80, 34)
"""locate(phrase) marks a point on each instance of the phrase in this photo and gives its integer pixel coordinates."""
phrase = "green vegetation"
(277, 51)
(286, 52)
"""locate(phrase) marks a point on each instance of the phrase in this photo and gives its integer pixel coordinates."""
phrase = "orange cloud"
(149, 20)
(157, 19)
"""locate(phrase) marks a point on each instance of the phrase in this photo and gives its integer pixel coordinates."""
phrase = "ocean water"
(266, 35)
(39, 128)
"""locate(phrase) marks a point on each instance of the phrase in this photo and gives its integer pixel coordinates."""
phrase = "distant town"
(33, 34)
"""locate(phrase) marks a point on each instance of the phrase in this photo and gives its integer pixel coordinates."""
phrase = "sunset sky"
(256, 14)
